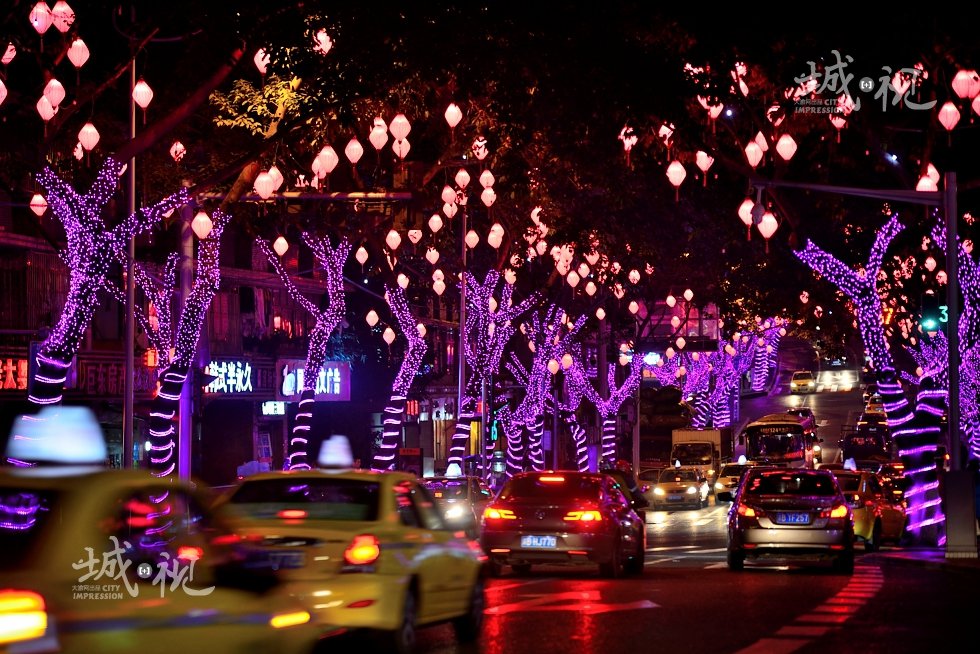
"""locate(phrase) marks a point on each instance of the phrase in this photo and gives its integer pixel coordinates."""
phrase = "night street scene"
(489, 328)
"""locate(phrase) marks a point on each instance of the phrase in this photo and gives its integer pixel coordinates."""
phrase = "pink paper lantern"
(261, 61)
(265, 185)
(745, 211)
(54, 91)
(281, 245)
(88, 136)
(786, 147)
(41, 17)
(38, 204)
(753, 153)
(400, 127)
(949, 115)
(966, 84)
(62, 16)
(201, 225)
(328, 159)
(354, 151)
(8, 54)
(453, 115)
(462, 178)
(78, 53)
(177, 151)
(45, 109)
(401, 147)
(142, 94)
(486, 179)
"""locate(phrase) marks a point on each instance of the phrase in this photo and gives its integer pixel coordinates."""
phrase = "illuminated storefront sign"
(332, 385)
(230, 377)
(273, 408)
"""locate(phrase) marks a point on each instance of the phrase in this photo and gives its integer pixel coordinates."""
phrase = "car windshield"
(551, 487)
(323, 499)
(25, 516)
(790, 483)
(446, 489)
(650, 475)
(671, 476)
(732, 470)
(849, 483)
(801, 376)
(692, 453)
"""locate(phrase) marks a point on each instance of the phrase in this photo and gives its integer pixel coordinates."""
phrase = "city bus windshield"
(775, 442)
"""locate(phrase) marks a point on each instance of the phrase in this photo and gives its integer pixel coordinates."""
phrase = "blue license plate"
(793, 518)
(539, 542)
(282, 560)
(675, 498)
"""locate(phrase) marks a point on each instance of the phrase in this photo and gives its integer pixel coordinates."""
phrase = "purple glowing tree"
(769, 332)
(91, 248)
(490, 324)
(607, 408)
(177, 344)
(332, 259)
(394, 414)
(731, 362)
(860, 287)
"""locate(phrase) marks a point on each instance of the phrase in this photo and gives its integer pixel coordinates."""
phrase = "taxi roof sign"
(68, 435)
(335, 452)
(453, 470)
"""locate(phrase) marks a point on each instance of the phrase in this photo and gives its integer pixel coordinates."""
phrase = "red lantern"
(78, 53)
(966, 84)
(41, 17)
(786, 147)
(88, 136)
(142, 94)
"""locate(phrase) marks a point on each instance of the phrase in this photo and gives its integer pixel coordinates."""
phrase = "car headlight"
(454, 512)
(659, 491)
(719, 486)
(816, 448)
(691, 490)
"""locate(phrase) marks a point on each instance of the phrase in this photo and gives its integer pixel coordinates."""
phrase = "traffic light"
(930, 315)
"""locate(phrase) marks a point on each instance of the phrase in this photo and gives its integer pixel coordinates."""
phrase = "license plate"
(793, 518)
(675, 498)
(282, 560)
(539, 542)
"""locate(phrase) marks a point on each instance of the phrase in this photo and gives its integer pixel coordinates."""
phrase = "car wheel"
(521, 568)
(635, 564)
(874, 543)
(402, 639)
(613, 568)
(736, 560)
(467, 627)
(845, 563)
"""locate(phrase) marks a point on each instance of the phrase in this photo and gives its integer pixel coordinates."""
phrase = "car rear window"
(732, 471)
(564, 487)
(448, 489)
(322, 499)
(25, 516)
(790, 483)
(849, 483)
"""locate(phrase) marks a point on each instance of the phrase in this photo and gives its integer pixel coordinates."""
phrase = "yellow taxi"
(363, 549)
(98, 560)
(879, 516)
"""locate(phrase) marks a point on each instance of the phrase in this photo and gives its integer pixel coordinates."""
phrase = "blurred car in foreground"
(783, 516)
(98, 560)
(364, 549)
(565, 517)
(462, 500)
(680, 487)
(878, 516)
(729, 477)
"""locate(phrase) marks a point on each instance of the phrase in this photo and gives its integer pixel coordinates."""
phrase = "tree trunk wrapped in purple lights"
(860, 287)
(332, 260)
(91, 247)
(607, 408)
(567, 414)
(732, 361)
(394, 415)
(182, 341)
(764, 364)
(489, 326)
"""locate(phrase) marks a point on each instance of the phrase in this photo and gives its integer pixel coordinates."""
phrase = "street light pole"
(130, 337)
(460, 354)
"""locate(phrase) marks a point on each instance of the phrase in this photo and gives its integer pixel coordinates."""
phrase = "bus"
(777, 439)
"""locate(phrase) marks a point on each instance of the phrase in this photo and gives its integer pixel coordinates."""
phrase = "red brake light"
(22, 616)
(189, 553)
(747, 511)
(584, 516)
(292, 514)
(552, 479)
(363, 550)
(492, 513)
(839, 511)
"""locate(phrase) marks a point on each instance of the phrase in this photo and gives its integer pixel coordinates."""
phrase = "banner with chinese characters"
(230, 377)
(332, 385)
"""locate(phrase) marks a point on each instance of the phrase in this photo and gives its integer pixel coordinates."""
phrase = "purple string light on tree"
(91, 248)
(384, 458)
(608, 408)
(332, 260)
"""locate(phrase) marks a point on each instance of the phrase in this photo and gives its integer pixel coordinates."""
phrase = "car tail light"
(292, 514)
(589, 515)
(552, 479)
(293, 619)
(189, 553)
(839, 511)
(493, 513)
(363, 550)
(22, 616)
(746, 511)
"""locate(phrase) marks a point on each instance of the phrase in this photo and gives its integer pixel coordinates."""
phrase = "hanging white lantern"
(403, 280)
(462, 178)
(745, 211)
(634, 276)
(453, 115)
(401, 147)
(554, 366)
(488, 196)
(729, 350)
(494, 240)
(680, 372)
(41, 17)
(432, 255)
(676, 173)
(566, 361)
(675, 322)
(281, 245)
(590, 288)
(378, 137)
(420, 328)
(354, 151)
(671, 301)
(142, 94)
(177, 151)
(328, 160)
(415, 235)
(768, 225)
(966, 84)
(438, 275)
(573, 279)
(38, 204)
(492, 305)
(688, 295)
(435, 223)
(449, 209)
(88, 136)
(510, 276)
(277, 178)
(201, 224)
(393, 240)
(600, 313)
(361, 255)
(704, 161)
(583, 270)
(753, 153)
(11, 51)
(44, 109)
(371, 318)
(265, 185)
(448, 194)
(389, 335)
(439, 286)
(669, 353)
(77, 54)
(786, 147)
(54, 91)
(400, 127)
(634, 307)
(680, 342)
(472, 239)
(486, 179)
(541, 247)
(261, 61)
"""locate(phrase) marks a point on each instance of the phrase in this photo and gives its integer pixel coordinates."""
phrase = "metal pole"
(460, 354)
(186, 409)
(129, 382)
(484, 414)
(636, 408)
(554, 424)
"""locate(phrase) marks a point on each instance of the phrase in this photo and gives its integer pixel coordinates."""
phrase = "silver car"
(790, 515)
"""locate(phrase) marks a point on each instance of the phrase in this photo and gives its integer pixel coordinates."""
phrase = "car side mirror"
(723, 496)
